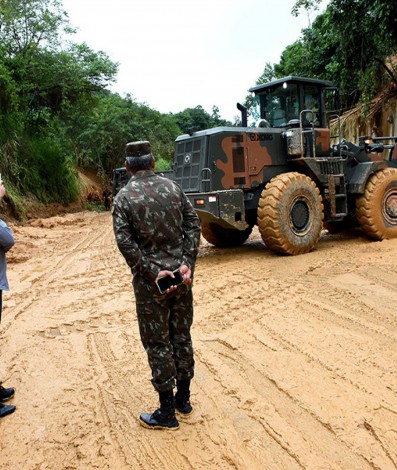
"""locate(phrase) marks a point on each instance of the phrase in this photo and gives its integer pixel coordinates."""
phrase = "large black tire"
(290, 214)
(223, 237)
(376, 209)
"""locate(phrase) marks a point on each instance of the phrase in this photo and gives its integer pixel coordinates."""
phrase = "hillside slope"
(90, 183)
(379, 121)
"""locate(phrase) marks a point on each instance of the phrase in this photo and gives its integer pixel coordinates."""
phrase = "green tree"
(197, 119)
(56, 111)
(43, 88)
(347, 44)
(116, 121)
(26, 25)
(268, 75)
(217, 120)
(193, 119)
(307, 5)
(367, 34)
(10, 121)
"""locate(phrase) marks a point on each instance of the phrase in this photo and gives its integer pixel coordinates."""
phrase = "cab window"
(311, 98)
(280, 105)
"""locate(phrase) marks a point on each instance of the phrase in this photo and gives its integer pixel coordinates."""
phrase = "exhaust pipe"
(243, 110)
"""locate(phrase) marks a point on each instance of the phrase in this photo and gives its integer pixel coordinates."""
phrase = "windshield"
(279, 105)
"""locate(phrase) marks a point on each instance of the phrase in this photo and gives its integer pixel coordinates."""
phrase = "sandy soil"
(295, 356)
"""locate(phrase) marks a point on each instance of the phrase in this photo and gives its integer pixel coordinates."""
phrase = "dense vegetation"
(57, 114)
(350, 44)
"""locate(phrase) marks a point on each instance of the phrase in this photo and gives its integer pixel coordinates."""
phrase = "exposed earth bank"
(295, 356)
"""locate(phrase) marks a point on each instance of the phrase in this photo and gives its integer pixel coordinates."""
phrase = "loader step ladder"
(206, 180)
(335, 193)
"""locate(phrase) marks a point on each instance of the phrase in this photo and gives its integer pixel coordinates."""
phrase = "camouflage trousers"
(164, 326)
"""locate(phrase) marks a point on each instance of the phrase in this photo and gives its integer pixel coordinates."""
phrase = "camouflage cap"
(138, 149)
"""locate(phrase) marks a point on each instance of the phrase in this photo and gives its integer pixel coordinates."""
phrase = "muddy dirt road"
(295, 356)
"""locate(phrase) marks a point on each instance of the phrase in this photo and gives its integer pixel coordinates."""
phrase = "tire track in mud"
(292, 294)
(353, 309)
(372, 324)
(339, 369)
(284, 375)
(72, 320)
(359, 326)
(92, 284)
(144, 448)
(268, 383)
(274, 421)
(120, 400)
(232, 407)
(360, 342)
(85, 311)
(357, 280)
(56, 270)
(206, 450)
(114, 399)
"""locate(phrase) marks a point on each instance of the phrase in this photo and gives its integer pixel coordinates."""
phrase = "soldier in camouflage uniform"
(158, 231)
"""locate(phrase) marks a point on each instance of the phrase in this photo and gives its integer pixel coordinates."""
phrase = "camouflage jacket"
(155, 225)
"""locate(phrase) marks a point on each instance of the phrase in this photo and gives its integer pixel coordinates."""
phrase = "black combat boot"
(6, 393)
(164, 417)
(6, 410)
(182, 396)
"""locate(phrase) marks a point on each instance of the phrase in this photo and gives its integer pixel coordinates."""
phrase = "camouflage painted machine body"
(287, 174)
(284, 174)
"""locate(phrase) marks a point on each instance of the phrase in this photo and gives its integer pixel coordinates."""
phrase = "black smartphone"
(165, 282)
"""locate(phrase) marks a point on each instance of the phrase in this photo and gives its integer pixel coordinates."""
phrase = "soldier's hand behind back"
(163, 273)
(186, 274)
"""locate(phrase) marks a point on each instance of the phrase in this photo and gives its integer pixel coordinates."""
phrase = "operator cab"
(279, 103)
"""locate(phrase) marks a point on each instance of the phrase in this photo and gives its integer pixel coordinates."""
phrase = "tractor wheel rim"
(300, 216)
(390, 206)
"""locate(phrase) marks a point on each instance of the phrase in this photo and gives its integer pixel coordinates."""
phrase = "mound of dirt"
(91, 185)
